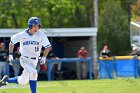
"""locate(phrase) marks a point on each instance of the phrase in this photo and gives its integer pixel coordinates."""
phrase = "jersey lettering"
(30, 43)
(36, 48)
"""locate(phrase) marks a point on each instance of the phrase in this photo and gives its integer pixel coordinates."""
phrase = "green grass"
(79, 86)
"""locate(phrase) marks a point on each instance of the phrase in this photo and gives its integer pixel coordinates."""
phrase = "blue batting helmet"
(33, 21)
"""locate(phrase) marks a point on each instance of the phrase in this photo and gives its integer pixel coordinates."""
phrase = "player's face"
(35, 28)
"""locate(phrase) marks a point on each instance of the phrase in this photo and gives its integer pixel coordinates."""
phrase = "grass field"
(79, 86)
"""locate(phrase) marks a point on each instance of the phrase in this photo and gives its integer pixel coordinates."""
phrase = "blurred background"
(108, 19)
(114, 17)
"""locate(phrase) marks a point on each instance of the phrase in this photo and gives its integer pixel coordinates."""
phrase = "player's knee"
(24, 81)
(34, 75)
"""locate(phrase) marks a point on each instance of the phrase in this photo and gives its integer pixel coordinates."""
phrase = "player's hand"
(10, 59)
(43, 60)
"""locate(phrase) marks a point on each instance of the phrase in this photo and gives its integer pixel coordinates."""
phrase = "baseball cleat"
(3, 81)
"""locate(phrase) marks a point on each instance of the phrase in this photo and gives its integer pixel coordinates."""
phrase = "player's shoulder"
(20, 33)
(41, 33)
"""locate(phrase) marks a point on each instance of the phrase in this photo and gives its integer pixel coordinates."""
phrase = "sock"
(13, 80)
(32, 86)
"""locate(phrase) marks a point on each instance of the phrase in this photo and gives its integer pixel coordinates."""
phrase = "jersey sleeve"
(45, 41)
(15, 39)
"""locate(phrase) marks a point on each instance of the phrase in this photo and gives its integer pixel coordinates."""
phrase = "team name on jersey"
(30, 43)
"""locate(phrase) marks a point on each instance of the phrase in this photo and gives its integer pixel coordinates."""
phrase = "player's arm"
(14, 39)
(11, 47)
(46, 44)
(46, 51)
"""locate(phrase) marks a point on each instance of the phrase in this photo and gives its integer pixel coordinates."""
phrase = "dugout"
(65, 41)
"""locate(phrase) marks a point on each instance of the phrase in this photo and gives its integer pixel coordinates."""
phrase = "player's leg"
(84, 70)
(30, 65)
(52, 70)
(4, 68)
(16, 70)
(59, 66)
(9, 80)
(78, 65)
(23, 79)
(33, 78)
(1, 67)
(16, 67)
(32, 74)
(3, 81)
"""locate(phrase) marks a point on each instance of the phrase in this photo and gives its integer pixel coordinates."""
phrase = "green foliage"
(135, 10)
(124, 4)
(113, 18)
(53, 13)
(113, 28)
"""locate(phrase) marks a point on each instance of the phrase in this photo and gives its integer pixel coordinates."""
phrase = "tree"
(136, 11)
(53, 13)
(113, 28)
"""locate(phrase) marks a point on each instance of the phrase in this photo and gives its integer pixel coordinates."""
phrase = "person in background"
(16, 62)
(105, 52)
(55, 66)
(3, 59)
(135, 50)
(82, 66)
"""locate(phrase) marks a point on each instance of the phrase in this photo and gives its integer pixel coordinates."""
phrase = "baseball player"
(31, 42)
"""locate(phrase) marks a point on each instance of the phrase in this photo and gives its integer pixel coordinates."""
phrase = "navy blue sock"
(32, 86)
(13, 80)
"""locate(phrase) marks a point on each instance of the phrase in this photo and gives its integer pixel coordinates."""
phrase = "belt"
(34, 58)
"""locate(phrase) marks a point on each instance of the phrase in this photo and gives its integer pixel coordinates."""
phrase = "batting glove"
(43, 60)
(10, 59)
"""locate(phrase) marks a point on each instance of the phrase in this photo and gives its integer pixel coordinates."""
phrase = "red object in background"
(43, 67)
(82, 53)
